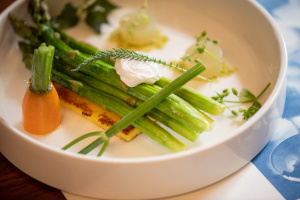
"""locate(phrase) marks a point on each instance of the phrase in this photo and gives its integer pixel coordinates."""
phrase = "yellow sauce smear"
(158, 42)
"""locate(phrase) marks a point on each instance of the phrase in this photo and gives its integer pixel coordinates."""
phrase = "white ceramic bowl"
(142, 169)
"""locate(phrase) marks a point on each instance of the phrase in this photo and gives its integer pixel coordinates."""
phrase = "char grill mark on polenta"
(93, 112)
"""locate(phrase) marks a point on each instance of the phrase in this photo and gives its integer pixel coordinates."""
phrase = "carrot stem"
(41, 68)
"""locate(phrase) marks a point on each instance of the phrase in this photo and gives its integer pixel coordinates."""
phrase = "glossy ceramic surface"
(143, 169)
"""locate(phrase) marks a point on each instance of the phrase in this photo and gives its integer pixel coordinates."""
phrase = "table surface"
(257, 176)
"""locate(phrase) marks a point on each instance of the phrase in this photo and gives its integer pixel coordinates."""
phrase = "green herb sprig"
(246, 94)
(201, 41)
(95, 13)
(121, 53)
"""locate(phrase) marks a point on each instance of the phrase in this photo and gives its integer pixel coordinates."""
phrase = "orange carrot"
(41, 112)
(41, 107)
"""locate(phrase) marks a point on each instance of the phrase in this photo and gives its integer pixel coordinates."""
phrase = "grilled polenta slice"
(93, 112)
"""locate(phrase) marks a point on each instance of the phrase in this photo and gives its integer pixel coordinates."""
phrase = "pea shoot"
(201, 41)
(245, 94)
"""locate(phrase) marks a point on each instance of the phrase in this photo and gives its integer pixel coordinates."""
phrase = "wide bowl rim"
(139, 160)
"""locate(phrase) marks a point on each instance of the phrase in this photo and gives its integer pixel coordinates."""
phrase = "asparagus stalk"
(195, 98)
(75, 84)
(119, 107)
(155, 99)
(27, 51)
(195, 110)
(161, 95)
(75, 44)
(25, 31)
(105, 72)
(185, 131)
(147, 106)
(181, 129)
(191, 95)
(142, 91)
(107, 68)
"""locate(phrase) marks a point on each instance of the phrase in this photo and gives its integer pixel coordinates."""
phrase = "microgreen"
(234, 91)
(245, 94)
(201, 41)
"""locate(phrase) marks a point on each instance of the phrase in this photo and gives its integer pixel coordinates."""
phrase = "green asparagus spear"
(191, 95)
(199, 124)
(195, 98)
(75, 44)
(181, 129)
(147, 105)
(25, 31)
(27, 51)
(70, 54)
(119, 107)
(75, 84)
(105, 72)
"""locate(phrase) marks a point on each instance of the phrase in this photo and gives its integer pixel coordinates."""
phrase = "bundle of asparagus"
(99, 83)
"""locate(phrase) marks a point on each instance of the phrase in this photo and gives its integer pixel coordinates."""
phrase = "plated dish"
(230, 145)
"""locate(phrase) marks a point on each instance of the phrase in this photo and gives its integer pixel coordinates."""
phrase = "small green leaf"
(198, 38)
(95, 18)
(200, 50)
(215, 98)
(67, 17)
(216, 41)
(97, 14)
(225, 91)
(234, 91)
(247, 94)
(256, 104)
(234, 113)
(197, 60)
(186, 58)
(106, 5)
(251, 111)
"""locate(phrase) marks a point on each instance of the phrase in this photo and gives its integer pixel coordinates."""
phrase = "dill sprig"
(246, 94)
(121, 53)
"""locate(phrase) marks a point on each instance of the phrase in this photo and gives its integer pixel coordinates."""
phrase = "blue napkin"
(279, 161)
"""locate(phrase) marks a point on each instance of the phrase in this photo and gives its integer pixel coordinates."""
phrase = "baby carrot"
(41, 107)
